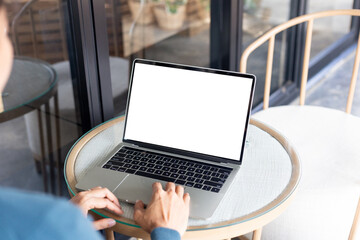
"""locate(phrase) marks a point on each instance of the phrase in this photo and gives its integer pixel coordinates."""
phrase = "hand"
(98, 198)
(169, 209)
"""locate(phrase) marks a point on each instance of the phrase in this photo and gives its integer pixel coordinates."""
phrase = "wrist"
(165, 233)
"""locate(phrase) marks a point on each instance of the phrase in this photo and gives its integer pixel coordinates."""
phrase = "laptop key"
(120, 155)
(151, 170)
(127, 160)
(165, 168)
(205, 177)
(217, 185)
(191, 169)
(217, 180)
(190, 174)
(182, 177)
(160, 162)
(206, 188)
(190, 164)
(121, 169)
(158, 167)
(151, 165)
(205, 167)
(167, 164)
(130, 170)
(135, 162)
(198, 175)
(190, 179)
(135, 167)
(122, 150)
(215, 190)
(174, 175)
(224, 171)
(158, 177)
(198, 165)
(127, 165)
(158, 172)
(189, 184)
(198, 186)
(175, 165)
(142, 164)
(181, 182)
(152, 161)
(173, 170)
(166, 174)
(142, 169)
(116, 163)
(199, 181)
(114, 168)
(107, 166)
(183, 167)
(198, 170)
(181, 172)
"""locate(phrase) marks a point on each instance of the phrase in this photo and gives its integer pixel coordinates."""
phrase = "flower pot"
(146, 15)
(203, 9)
(168, 20)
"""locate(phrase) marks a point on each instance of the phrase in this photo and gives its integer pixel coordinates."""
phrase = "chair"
(328, 143)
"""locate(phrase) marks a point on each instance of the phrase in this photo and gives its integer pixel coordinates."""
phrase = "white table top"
(268, 176)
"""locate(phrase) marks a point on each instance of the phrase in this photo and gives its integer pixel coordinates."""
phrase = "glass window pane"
(172, 31)
(39, 121)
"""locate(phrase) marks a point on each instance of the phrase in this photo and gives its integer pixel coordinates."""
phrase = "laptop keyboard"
(166, 168)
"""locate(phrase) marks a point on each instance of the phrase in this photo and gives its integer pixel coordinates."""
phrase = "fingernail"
(111, 222)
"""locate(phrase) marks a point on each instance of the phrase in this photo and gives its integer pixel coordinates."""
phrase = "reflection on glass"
(166, 30)
(41, 90)
(328, 30)
(259, 17)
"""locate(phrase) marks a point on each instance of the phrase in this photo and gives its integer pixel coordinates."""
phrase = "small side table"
(262, 190)
(33, 83)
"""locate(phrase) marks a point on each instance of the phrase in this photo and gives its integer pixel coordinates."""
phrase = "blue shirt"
(38, 216)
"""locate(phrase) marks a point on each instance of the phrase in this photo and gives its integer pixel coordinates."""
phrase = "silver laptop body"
(191, 115)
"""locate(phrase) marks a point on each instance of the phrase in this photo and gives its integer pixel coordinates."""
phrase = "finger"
(170, 187)
(157, 186)
(186, 199)
(179, 191)
(92, 203)
(103, 193)
(138, 211)
(104, 223)
(98, 187)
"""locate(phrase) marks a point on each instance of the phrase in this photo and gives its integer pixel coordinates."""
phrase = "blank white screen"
(189, 110)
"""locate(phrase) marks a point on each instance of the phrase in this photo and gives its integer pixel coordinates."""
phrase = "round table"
(261, 191)
(33, 83)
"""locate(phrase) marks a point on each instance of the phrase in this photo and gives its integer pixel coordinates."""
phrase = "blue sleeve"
(38, 216)
(161, 233)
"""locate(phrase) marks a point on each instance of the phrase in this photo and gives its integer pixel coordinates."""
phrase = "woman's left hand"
(98, 198)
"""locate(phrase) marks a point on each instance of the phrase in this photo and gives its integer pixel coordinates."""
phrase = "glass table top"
(268, 176)
(30, 80)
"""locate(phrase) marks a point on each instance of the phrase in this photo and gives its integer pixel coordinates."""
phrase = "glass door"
(40, 117)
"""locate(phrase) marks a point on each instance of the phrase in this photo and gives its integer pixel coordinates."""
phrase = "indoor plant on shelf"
(170, 14)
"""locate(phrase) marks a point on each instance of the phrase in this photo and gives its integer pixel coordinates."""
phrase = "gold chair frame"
(270, 37)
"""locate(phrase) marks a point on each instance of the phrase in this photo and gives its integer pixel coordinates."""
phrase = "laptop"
(183, 124)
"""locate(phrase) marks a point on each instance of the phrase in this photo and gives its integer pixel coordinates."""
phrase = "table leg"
(42, 149)
(58, 143)
(257, 234)
(109, 234)
(50, 147)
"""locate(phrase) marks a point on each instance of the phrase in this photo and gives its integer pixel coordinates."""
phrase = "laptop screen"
(187, 108)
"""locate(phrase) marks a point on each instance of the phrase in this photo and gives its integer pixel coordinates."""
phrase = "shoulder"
(40, 216)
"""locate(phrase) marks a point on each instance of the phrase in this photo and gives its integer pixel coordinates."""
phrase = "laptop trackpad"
(136, 188)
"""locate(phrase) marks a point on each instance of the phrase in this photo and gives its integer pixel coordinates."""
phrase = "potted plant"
(141, 11)
(203, 7)
(170, 14)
